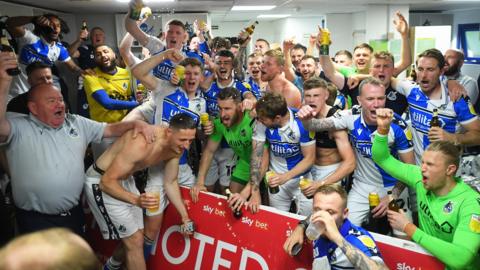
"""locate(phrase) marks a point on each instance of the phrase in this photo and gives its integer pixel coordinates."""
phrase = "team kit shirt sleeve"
(465, 111)
(219, 130)
(438, 220)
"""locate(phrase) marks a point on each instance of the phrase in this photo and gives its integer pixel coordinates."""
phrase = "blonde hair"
(52, 249)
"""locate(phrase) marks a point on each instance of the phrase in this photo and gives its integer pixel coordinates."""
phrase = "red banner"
(251, 242)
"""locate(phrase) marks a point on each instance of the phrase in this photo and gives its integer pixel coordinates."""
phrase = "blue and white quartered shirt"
(451, 114)
(33, 49)
(356, 236)
(178, 102)
(361, 137)
(285, 143)
(165, 69)
(212, 93)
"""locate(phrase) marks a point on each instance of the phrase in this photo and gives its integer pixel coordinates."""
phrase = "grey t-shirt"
(46, 163)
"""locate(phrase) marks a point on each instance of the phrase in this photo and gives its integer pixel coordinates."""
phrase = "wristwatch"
(304, 223)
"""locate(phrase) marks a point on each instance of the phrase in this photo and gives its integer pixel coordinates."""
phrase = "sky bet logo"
(404, 266)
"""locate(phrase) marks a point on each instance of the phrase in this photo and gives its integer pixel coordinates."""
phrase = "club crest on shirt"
(448, 207)
(122, 228)
(291, 135)
(73, 132)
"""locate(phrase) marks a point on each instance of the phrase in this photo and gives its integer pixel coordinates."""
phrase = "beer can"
(373, 199)
(204, 117)
(180, 72)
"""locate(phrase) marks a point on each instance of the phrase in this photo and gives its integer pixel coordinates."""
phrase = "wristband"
(383, 131)
(409, 229)
(304, 223)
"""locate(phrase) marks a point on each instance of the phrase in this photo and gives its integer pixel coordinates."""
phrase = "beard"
(107, 68)
(452, 70)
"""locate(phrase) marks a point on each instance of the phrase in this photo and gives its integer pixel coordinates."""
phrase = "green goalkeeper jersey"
(449, 224)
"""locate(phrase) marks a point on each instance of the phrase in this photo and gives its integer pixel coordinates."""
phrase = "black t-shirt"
(395, 101)
(87, 57)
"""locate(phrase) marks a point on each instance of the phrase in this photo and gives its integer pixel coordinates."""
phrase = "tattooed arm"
(307, 115)
(255, 174)
(319, 124)
(358, 259)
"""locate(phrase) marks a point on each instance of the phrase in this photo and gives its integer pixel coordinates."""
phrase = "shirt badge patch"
(475, 223)
(73, 132)
(367, 241)
(448, 207)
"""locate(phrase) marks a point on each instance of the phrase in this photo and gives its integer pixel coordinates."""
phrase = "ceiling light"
(249, 8)
(273, 16)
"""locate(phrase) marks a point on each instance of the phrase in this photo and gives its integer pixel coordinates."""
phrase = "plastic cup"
(153, 191)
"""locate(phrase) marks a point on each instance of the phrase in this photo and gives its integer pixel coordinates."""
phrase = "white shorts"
(116, 219)
(223, 163)
(290, 191)
(319, 173)
(155, 178)
(357, 202)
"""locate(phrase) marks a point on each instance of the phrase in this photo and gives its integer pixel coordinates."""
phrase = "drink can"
(269, 175)
(204, 117)
(202, 25)
(373, 199)
(180, 72)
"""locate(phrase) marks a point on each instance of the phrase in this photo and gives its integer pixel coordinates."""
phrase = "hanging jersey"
(356, 236)
(451, 114)
(285, 143)
(361, 137)
(211, 94)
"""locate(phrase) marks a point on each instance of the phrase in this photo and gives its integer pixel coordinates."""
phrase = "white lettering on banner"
(218, 260)
(201, 247)
(167, 255)
(404, 266)
(248, 221)
(208, 209)
(250, 254)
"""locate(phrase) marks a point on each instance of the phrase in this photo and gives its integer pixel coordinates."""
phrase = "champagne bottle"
(392, 205)
(5, 47)
(435, 122)
(305, 183)
(378, 225)
(84, 27)
(248, 31)
(236, 213)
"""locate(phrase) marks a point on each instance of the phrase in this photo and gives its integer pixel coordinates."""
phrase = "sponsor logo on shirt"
(475, 223)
